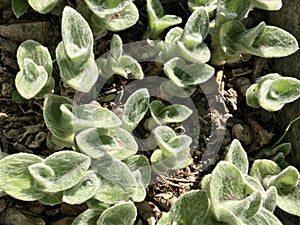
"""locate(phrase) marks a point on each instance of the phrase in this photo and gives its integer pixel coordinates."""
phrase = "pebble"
(12, 216)
(64, 221)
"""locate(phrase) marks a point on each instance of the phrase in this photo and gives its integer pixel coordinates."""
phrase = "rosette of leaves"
(64, 119)
(34, 78)
(118, 63)
(273, 91)
(229, 196)
(158, 21)
(162, 114)
(173, 152)
(188, 42)
(109, 14)
(230, 38)
(19, 7)
(122, 213)
(74, 54)
(187, 76)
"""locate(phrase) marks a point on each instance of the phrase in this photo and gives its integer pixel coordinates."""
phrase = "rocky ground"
(22, 128)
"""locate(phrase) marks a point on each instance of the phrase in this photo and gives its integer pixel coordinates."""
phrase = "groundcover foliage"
(99, 163)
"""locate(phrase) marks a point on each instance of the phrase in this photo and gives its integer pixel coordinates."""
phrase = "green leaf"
(135, 108)
(118, 21)
(116, 48)
(57, 121)
(169, 142)
(117, 181)
(262, 168)
(228, 35)
(19, 7)
(43, 7)
(196, 28)
(88, 217)
(31, 80)
(237, 7)
(251, 96)
(209, 5)
(264, 217)
(60, 171)
(90, 115)
(15, 178)
(226, 183)
(290, 201)
(82, 191)
(286, 180)
(164, 220)
(237, 156)
(128, 67)
(267, 5)
(36, 67)
(169, 88)
(121, 214)
(140, 167)
(52, 198)
(196, 54)
(183, 74)
(192, 208)
(270, 200)
(158, 21)
(168, 114)
(47, 89)
(116, 142)
(104, 8)
(77, 36)
(80, 77)
(273, 43)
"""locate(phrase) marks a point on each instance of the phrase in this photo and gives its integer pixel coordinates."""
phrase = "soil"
(22, 128)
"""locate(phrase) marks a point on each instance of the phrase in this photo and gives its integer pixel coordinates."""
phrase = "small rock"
(64, 221)
(36, 207)
(12, 216)
(242, 133)
(6, 90)
(72, 210)
(2, 205)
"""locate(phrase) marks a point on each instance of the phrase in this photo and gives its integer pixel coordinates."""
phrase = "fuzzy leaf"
(270, 200)
(118, 21)
(116, 142)
(164, 220)
(168, 114)
(237, 156)
(264, 217)
(169, 142)
(171, 89)
(82, 191)
(251, 96)
(135, 108)
(90, 115)
(267, 5)
(88, 217)
(128, 67)
(57, 121)
(140, 167)
(237, 7)
(31, 80)
(290, 201)
(183, 74)
(116, 48)
(262, 168)
(77, 36)
(209, 5)
(80, 77)
(191, 208)
(19, 7)
(52, 198)
(60, 171)
(273, 43)
(286, 180)
(42, 7)
(15, 178)
(273, 94)
(36, 67)
(117, 181)
(120, 214)
(158, 21)
(196, 54)
(196, 28)
(104, 8)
